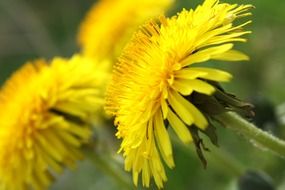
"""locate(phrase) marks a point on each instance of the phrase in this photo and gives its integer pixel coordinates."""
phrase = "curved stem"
(263, 139)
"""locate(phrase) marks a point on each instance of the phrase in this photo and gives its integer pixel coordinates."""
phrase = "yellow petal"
(179, 127)
(69, 138)
(180, 110)
(232, 55)
(135, 178)
(164, 108)
(196, 85)
(46, 146)
(79, 131)
(212, 74)
(182, 87)
(48, 159)
(227, 38)
(146, 174)
(163, 140)
(199, 118)
(186, 73)
(138, 159)
(149, 140)
(205, 55)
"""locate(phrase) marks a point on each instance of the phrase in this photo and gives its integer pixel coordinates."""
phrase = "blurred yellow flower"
(45, 109)
(109, 24)
(155, 76)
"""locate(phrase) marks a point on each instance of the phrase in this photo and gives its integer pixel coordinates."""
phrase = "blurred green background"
(30, 29)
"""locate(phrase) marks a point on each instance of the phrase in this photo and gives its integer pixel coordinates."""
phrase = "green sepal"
(199, 145)
(232, 103)
(207, 104)
(210, 132)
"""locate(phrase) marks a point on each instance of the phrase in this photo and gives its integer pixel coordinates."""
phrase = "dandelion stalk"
(263, 139)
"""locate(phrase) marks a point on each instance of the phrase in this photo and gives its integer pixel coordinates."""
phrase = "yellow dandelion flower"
(42, 120)
(155, 77)
(110, 24)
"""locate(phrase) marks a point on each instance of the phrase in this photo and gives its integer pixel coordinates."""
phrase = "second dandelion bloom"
(109, 24)
(157, 75)
(44, 119)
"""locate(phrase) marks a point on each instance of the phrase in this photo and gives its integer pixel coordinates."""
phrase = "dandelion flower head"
(110, 23)
(42, 120)
(158, 72)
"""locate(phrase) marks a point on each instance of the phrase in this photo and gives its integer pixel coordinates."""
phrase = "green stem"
(105, 166)
(263, 139)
